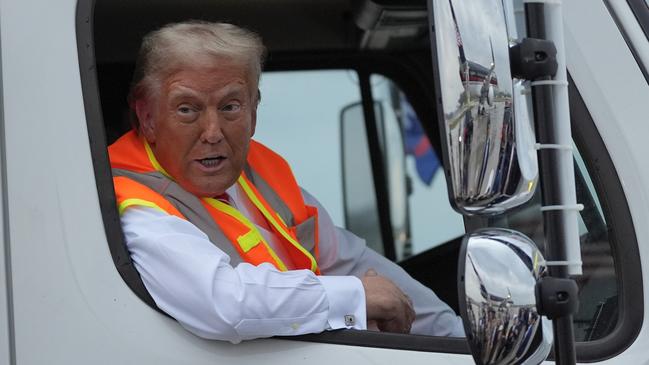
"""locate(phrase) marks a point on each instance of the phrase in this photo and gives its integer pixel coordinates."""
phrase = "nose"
(212, 131)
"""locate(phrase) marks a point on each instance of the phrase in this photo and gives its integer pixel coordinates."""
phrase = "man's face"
(199, 127)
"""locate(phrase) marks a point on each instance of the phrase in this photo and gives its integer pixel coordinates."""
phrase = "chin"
(207, 193)
(208, 187)
(210, 192)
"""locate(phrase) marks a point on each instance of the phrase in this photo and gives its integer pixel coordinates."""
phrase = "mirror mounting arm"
(533, 58)
(556, 297)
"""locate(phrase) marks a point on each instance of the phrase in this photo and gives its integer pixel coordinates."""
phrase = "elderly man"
(223, 237)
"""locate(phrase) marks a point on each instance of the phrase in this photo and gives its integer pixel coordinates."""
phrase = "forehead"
(213, 78)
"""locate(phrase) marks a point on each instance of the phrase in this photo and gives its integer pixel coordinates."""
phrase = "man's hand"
(387, 305)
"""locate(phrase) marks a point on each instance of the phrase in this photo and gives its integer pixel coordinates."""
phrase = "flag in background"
(417, 143)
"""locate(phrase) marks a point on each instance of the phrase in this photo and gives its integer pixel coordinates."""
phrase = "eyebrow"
(182, 92)
(233, 90)
(230, 91)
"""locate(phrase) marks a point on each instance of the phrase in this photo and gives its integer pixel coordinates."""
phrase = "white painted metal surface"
(617, 96)
(71, 306)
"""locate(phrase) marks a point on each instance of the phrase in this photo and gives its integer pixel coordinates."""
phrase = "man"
(223, 237)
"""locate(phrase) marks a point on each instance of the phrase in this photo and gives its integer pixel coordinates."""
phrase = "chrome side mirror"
(498, 272)
(488, 140)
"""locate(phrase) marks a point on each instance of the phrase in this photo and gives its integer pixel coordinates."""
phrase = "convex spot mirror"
(488, 139)
(498, 272)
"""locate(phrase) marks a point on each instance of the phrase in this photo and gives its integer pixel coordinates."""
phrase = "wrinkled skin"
(200, 123)
(388, 308)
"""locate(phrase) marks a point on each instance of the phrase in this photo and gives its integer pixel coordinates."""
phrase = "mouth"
(211, 162)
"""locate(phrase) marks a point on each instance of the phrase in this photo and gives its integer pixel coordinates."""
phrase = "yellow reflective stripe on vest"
(271, 218)
(134, 201)
(250, 239)
(154, 161)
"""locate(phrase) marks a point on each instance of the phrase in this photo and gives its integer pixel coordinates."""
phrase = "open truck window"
(314, 52)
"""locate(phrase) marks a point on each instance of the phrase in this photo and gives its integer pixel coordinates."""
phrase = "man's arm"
(192, 280)
(343, 253)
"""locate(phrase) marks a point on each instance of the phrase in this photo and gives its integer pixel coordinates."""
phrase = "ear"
(253, 121)
(254, 112)
(144, 114)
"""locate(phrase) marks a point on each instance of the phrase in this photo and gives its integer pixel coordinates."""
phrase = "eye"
(185, 109)
(231, 107)
(187, 112)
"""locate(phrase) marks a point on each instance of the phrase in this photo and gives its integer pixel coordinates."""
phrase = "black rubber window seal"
(624, 244)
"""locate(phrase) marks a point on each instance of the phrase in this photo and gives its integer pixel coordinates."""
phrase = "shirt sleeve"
(343, 253)
(192, 280)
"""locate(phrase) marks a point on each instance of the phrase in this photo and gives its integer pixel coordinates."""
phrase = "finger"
(400, 321)
(409, 312)
(398, 326)
(406, 327)
(373, 325)
(393, 326)
(412, 305)
(411, 315)
(371, 272)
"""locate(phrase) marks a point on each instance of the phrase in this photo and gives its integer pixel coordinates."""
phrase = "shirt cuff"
(346, 302)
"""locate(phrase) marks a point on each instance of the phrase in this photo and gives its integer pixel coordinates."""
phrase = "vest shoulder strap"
(129, 153)
(131, 193)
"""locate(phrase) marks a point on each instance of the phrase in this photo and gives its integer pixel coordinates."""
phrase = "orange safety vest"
(267, 181)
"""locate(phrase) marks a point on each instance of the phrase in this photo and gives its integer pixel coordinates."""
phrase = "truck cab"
(349, 98)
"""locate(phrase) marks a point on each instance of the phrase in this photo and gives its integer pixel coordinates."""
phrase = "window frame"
(377, 160)
(624, 244)
(99, 152)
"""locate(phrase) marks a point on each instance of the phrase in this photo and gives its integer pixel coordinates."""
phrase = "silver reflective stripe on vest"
(188, 205)
(304, 231)
(270, 195)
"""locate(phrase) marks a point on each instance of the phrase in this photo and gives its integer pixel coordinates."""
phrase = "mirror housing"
(488, 143)
(497, 276)
(360, 205)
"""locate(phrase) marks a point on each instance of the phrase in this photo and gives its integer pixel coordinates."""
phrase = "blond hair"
(190, 44)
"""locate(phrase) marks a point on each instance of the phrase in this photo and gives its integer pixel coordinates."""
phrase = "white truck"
(68, 291)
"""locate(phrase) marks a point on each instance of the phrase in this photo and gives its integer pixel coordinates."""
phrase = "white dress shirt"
(191, 279)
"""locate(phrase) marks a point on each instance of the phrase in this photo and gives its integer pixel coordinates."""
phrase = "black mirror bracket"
(556, 297)
(533, 58)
